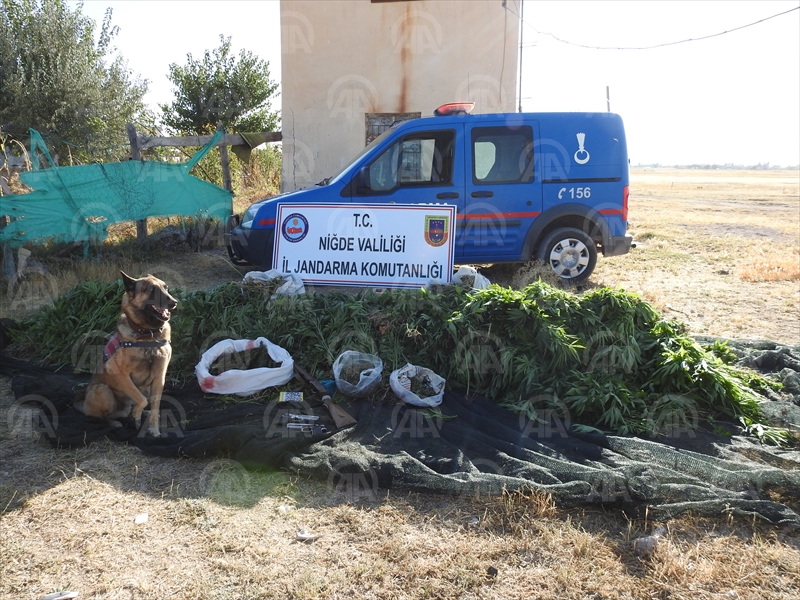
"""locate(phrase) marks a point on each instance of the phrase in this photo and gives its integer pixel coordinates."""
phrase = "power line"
(705, 37)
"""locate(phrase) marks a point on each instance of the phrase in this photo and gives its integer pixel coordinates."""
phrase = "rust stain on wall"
(405, 25)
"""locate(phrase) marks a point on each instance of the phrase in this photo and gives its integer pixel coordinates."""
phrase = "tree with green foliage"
(56, 78)
(221, 89)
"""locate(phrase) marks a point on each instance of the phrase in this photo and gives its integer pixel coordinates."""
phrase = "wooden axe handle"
(341, 417)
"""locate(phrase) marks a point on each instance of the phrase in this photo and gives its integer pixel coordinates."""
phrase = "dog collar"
(142, 332)
(115, 344)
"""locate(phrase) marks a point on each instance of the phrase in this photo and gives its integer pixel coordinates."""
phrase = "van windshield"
(366, 149)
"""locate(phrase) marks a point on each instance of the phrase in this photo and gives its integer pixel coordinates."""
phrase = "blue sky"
(734, 98)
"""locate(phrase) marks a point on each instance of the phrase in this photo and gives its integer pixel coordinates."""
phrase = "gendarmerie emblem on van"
(436, 230)
(582, 155)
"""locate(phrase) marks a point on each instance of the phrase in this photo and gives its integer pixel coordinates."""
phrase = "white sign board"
(380, 245)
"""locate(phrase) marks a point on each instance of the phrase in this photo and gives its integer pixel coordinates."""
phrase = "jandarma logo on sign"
(436, 228)
(294, 227)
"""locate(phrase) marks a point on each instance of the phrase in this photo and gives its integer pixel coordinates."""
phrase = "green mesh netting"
(77, 204)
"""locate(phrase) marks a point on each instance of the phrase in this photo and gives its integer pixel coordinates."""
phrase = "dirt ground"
(716, 250)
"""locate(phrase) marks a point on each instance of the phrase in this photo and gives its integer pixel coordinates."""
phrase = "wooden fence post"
(225, 161)
(141, 224)
(9, 266)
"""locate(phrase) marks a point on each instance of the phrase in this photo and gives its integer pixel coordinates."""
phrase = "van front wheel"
(570, 253)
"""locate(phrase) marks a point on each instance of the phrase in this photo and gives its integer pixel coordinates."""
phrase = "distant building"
(351, 68)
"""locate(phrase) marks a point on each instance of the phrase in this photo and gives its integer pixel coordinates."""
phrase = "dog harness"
(115, 343)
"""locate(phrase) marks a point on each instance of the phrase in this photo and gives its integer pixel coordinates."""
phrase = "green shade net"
(76, 204)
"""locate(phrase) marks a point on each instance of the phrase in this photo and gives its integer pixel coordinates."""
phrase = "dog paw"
(155, 433)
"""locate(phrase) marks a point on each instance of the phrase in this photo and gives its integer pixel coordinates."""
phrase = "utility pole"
(521, 31)
(608, 99)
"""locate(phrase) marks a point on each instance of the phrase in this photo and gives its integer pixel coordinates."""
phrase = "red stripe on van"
(506, 215)
(267, 222)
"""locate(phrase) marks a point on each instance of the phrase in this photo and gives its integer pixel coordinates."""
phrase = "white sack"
(480, 282)
(243, 382)
(400, 382)
(292, 284)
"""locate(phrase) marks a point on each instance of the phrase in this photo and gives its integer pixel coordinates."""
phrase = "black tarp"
(469, 446)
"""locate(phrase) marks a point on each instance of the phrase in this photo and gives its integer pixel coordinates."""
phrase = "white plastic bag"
(369, 379)
(479, 282)
(292, 284)
(243, 382)
(400, 382)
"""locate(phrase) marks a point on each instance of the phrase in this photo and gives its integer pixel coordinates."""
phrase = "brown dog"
(135, 359)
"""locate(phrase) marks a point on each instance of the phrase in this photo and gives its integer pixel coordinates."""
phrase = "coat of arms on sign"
(436, 230)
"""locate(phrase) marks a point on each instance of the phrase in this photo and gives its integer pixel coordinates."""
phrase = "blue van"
(527, 186)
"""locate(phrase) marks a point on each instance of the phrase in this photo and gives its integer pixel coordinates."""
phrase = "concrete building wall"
(344, 59)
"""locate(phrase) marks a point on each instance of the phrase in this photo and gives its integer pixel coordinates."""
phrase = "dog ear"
(129, 282)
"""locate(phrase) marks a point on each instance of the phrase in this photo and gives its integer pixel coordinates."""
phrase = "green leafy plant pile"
(606, 356)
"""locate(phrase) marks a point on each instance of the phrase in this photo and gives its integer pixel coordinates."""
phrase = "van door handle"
(482, 194)
(444, 195)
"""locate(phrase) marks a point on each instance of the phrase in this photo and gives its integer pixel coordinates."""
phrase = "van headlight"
(249, 217)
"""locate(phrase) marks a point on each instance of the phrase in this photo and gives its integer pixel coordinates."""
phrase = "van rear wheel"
(570, 252)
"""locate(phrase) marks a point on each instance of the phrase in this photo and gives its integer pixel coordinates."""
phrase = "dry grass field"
(719, 250)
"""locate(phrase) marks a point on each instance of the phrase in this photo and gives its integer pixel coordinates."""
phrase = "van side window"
(502, 155)
(418, 159)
